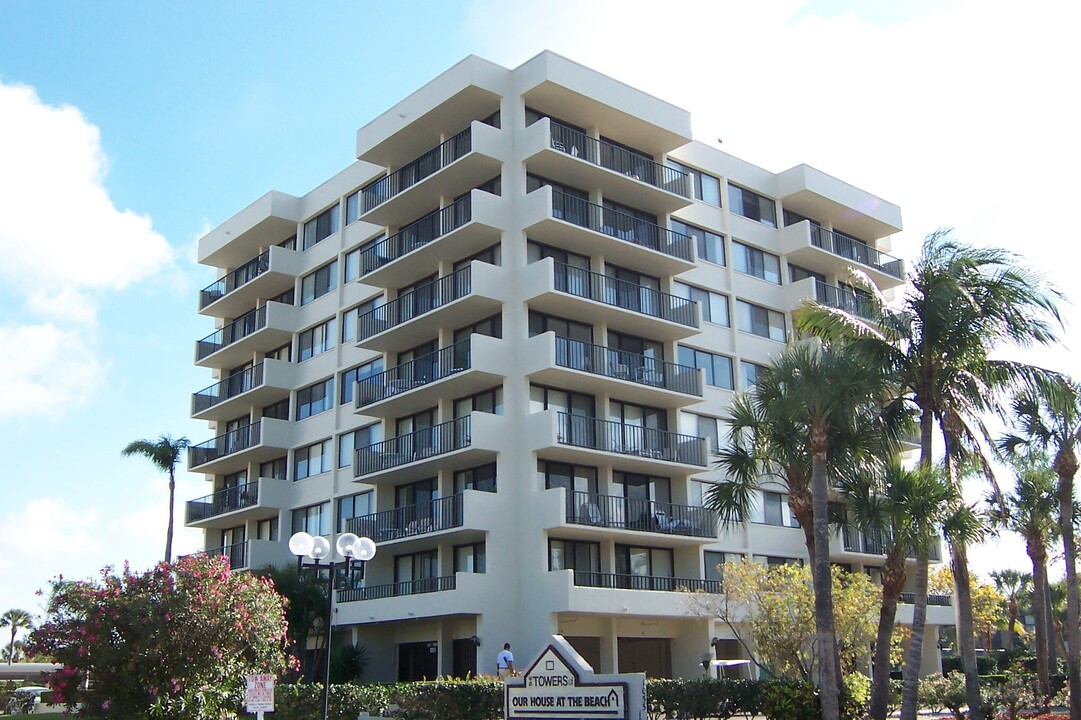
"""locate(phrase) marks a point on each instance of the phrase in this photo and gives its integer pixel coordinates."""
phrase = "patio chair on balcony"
(589, 514)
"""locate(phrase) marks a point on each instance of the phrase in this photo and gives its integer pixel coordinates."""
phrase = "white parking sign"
(259, 697)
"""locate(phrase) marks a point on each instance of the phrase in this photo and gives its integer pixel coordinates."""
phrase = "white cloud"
(64, 244)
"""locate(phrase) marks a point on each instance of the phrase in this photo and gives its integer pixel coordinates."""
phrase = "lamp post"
(350, 547)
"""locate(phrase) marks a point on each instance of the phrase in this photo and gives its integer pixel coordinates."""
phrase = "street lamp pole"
(350, 547)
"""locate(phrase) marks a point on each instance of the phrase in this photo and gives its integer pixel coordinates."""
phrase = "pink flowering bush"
(174, 642)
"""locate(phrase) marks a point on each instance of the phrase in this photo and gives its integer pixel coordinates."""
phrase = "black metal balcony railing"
(237, 554)
(226, 444)
(852, 249)
(408, 175)
(585, 508)
(425, 443)
(418, 519)
(622, 365)
(621, 225)
(908, 598)
(617, 437)
(843, 299)
(240, 328)
(398, 589)
(417, 234)
(225, 500)
(415, 373)
(611, 156)
(585, 578)
(230, 387)
(423, 299)
(873, 543)
(624, 294)
(238, 277)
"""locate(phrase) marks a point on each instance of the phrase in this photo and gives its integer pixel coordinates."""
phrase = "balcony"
(557, 151)
(267, 275)
(578, 439)
(867, 543)
(259, 499)
(257, 386)
(262, 329)
(470, 293)
(560, 289)
(828, 252)
(468, 366)
(815, 194)
(411, 520)
(232, 451)
(616, 581)
(578, 365)
(399, 589)
(565, 221)
(463, 228)
(908, 598)
(450, 168)
(619, 513)
(422, 453)
(266, 222)
(252, 554)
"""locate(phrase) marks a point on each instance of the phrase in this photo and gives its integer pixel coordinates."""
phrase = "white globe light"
(345, 544)
(301, 544)
(320, 548)
(364, 548)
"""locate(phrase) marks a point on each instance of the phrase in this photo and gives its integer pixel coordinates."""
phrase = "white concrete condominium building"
(499, 344)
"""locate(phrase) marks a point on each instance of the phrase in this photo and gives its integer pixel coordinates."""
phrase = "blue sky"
(179, 115)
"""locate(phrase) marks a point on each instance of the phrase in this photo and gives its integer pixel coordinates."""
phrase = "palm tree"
(1011, 583)
(963, 302)
(1031, 510)
(16, 620)
(1048, 417)
(905, 508)
(164, 453)
(830, 399)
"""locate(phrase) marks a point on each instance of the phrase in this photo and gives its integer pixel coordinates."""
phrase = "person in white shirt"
(504, 663)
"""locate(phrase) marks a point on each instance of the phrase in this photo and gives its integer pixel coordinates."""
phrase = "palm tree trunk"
(11, 645)
(1013, 623)
(169, 529)
(1038, 555)
(829, 673)
(966, 631)
(914, 655)
(1073, 632)
(893, 579)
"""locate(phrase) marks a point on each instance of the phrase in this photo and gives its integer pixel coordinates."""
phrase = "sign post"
(259, 697)
(560, 685)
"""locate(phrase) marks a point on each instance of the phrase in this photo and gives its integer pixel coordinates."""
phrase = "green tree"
(962, 303)
(165, 454)
(1011, 584)
(306, 606)
(1031, 511)
(172, 642)
(1048, 418)
(906, 508)
(16, 620)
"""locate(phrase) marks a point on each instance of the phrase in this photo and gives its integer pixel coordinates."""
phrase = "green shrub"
(701, 698)
(944, 692)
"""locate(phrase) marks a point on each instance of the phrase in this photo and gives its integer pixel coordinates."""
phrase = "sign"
(560, 685)
(259, 697)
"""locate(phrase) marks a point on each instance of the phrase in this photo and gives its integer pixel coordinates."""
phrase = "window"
(469, 558)
(349, 317)
(574, 555)
(714, 565)
(701, 426)
(277, 411)
(710, 245)
(267, 529)
(752, 205)
(315, 399)
(760, 321)
(319, 283)
(350, 441)
(353, 506)
(492, 255)
(489, 401)
(544, 398)
(642, 566)
(321, 227)
(714, 305)
(492, 327)
(540, 323)
(758, 263)
(358, 374)
(314, 519)
(707, 188)
(274, 469)
(316, 340)
(311, 460)
(284, 353)
(352, 208)
(797, 273)
(777, 561)
(478, 478)
(751, 372)
(718, 367)
(771, 508)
